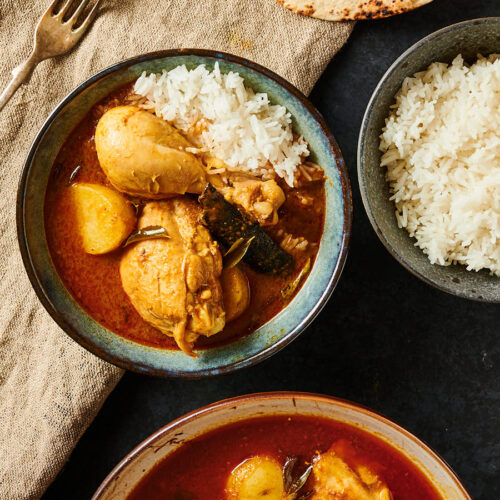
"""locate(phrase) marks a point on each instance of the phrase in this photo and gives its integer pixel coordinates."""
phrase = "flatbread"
(342, 10)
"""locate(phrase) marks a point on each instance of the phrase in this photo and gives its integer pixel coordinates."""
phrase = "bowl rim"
(276, 395)
(270, 350)
(361, 163)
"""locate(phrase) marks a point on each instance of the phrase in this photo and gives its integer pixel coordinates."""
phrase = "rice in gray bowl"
(441, 148)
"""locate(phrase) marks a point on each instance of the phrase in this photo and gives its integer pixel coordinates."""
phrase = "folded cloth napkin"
(50, 387)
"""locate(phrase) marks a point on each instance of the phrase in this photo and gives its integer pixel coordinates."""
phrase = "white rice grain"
(243, 128)
(441, 147)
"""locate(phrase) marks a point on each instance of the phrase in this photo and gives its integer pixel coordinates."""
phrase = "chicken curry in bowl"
(165, 233)
(286, 457)
(282, 446)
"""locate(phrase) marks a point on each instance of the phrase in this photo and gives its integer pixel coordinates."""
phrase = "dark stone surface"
(428, 360)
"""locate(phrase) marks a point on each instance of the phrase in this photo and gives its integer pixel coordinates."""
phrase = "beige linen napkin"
(50, 387)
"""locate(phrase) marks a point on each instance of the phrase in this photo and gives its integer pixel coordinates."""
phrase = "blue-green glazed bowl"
(243, 352)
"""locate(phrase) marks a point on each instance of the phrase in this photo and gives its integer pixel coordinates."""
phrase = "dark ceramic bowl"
(122, 480)
(468, 38)
(246, 351)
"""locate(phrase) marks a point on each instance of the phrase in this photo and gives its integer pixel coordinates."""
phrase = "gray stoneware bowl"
(243, 352)
(468, 38)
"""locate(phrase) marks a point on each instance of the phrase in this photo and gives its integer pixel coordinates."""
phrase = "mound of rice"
(243, 129)
(441, 147)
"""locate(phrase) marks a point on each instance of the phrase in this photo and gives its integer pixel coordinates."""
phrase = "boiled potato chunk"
(104, 217)
(257, 478)
(236, 292)
(143, 155)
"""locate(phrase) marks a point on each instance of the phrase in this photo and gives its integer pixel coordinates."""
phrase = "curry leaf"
(289, 290)
(147, 233)
(236, 252)
(300, 481)
(234, 246)
(288, 469)
(73, 174)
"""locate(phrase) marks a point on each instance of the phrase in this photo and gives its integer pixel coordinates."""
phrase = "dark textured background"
(428, 360)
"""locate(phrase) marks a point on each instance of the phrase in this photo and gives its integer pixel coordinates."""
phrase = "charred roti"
(342, 10)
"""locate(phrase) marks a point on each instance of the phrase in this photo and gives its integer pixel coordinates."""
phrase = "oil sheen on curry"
(168, 235)
(285, 458)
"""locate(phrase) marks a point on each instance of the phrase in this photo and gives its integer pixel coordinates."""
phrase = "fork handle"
(20, 74)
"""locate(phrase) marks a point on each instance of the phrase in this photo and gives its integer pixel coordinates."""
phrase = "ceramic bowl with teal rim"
(245, 351)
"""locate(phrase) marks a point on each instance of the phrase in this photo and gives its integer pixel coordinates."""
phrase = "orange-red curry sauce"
(94, 280)
(200, 468)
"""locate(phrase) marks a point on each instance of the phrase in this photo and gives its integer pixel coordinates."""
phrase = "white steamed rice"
(243, 128)
(441, 147)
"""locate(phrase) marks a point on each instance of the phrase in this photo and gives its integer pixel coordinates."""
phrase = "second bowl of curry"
(285, 445)
(161, 257)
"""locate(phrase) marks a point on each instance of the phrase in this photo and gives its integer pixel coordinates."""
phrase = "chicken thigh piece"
(143, 155)
(174, 282)
(334, 479)
(259, 199)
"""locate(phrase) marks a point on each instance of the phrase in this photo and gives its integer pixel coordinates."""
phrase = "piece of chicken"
(174, 283)
(334, 479)
(260, 199)
(143, 155)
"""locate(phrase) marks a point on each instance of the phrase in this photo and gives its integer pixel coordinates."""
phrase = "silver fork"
(53, 37)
